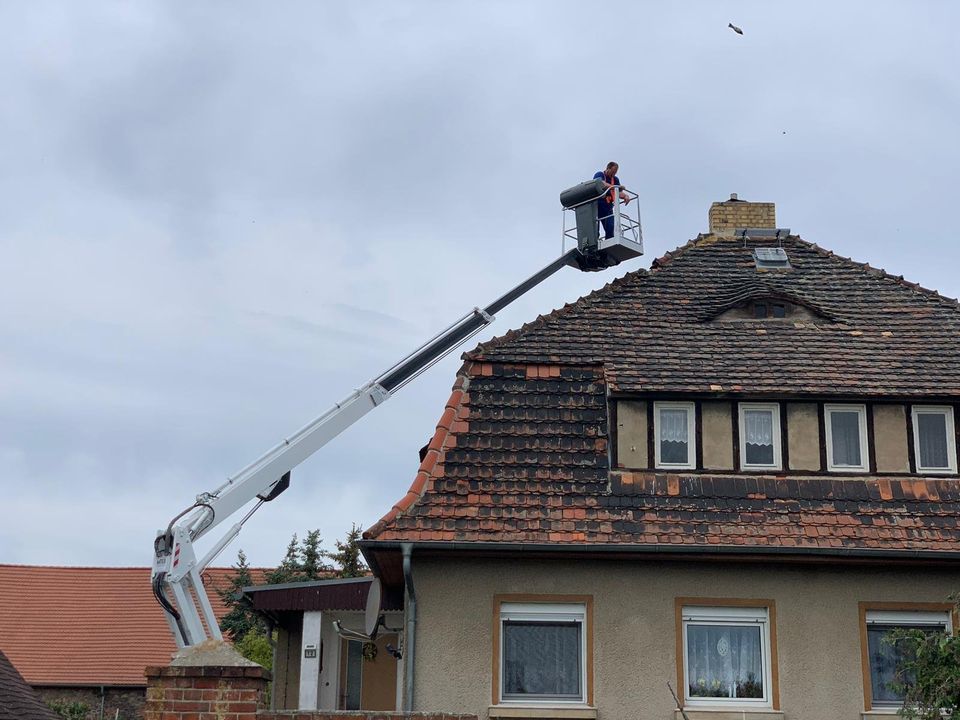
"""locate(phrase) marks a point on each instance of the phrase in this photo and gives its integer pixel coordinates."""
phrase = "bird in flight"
(733, 27)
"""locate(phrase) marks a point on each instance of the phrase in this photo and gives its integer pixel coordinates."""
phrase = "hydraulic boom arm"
(176, 569)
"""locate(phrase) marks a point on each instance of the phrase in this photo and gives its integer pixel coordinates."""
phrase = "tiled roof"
(651, 331)
(520, 454)
(87, 626)
(17, 699)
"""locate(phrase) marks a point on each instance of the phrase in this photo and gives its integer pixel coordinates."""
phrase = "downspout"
(410, 632)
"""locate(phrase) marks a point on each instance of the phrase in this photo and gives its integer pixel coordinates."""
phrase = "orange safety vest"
(610, 195)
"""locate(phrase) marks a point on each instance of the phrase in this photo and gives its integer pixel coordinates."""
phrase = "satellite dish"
(372, 613)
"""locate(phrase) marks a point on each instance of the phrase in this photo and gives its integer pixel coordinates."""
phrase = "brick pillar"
(213, 683)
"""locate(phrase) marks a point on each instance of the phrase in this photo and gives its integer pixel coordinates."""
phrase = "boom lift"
(176, 569)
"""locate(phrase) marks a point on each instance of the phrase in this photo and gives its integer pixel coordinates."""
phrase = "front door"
(368, 680)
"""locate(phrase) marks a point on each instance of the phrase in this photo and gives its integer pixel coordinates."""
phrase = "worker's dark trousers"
(607, 223)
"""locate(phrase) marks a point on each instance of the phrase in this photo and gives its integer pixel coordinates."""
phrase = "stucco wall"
(803, 436)
(817, 627)
(632, 434)
(890, 438)
(717, 436)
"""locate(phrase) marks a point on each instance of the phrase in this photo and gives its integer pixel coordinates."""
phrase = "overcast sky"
(218, 218)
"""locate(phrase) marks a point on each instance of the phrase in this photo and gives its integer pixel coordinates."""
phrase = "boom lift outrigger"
(175, 565)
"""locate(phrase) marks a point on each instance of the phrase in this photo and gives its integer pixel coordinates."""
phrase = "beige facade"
(890, 438)
(634, 634)
(632, 433)
(717, 436)
(803, 436)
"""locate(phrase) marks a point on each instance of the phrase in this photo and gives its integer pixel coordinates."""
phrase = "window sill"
(545, 712)
(729, 714)
(880, 714)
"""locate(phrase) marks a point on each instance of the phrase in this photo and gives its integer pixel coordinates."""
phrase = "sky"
(217, 219)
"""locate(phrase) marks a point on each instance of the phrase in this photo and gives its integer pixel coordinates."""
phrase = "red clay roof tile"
(87, 626)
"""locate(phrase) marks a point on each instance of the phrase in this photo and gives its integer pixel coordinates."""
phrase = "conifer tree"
(241, 619)
(312, 554)
(347, 556)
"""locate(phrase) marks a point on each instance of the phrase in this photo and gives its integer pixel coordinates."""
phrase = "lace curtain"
(758, 432)
(674, 438)
(724, 661)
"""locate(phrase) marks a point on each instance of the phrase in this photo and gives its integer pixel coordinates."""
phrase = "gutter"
(501, 548)
(410, 632)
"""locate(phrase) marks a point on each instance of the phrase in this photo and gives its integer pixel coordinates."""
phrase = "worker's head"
(612, 169)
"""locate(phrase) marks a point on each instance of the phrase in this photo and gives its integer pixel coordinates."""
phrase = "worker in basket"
(605, 203)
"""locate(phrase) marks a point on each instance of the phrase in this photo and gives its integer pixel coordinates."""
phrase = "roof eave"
(701, 552)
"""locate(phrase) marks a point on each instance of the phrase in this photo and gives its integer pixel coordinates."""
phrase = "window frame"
(774, 408)
(731, 611)
(691, 409)
(536, 608)
(950, 427)
(889, 613)
(861, 410)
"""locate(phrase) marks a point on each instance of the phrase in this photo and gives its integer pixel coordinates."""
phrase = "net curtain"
(721, 660)
(758, 427)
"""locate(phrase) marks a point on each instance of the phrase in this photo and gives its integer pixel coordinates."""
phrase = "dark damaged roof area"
(520, 455)
(878, 335)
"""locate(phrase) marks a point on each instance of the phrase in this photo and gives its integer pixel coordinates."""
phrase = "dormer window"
(773, 309)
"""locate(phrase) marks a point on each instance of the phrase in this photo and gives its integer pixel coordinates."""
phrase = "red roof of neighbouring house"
(520, 455)
(88, 626)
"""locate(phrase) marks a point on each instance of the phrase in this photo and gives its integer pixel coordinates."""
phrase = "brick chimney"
(734, 213)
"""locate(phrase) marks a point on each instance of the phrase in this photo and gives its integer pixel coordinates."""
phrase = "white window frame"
(861, 411)
(735, 617)
(933, 618)
(691, 409)
(947, 412)
(545, 613)
(774, 408)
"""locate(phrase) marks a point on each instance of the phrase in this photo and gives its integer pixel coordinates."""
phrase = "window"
(675, 434)
(727, 655)
(881, 658)
(543, 652)
(934, 439)
(760, 436)
(846, 437)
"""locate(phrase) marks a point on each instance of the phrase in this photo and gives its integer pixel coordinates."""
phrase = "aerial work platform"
(598, 253)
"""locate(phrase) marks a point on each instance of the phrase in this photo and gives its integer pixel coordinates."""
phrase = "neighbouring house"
(18, 701)
(732, 473)
(85, 635)
(316, 668)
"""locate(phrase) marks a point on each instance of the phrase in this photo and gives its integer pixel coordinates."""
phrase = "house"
(82, 634)
(732, 473)
(18, 701)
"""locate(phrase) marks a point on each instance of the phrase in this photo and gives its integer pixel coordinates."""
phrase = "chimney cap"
(734, 198)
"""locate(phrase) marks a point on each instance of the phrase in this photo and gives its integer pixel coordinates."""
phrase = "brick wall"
(205, 693)
(726, 216)
(127, 701)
